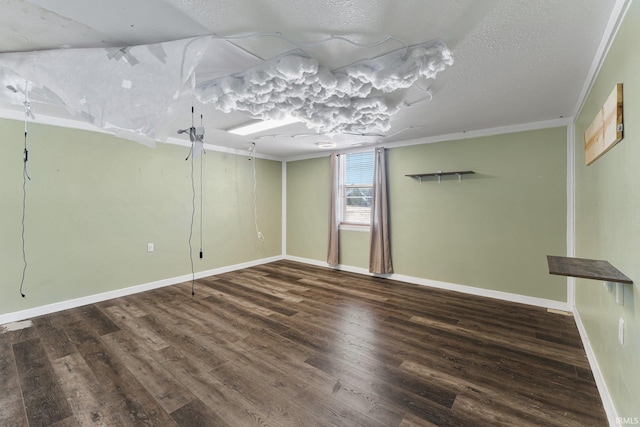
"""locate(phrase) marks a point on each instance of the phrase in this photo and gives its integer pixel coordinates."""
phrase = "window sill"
(355, 227)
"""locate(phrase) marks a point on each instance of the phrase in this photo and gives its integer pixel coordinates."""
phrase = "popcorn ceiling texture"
(348, 100)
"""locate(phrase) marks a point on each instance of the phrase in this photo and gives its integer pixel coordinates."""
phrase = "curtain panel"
(380, 251)
(334, 211)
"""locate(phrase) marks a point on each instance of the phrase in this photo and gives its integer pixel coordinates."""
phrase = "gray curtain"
(380, 252)
(334, 211)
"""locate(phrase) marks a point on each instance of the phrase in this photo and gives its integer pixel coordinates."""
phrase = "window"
(356, 188)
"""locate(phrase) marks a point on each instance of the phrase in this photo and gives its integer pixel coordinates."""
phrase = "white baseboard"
(92, 299)
(506, 296)
(607, 402)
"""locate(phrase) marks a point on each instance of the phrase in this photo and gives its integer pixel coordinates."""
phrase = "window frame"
(344, 224)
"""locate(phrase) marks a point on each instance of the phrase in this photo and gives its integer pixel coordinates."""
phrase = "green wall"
(491, 231)
(95, 201)
(308, 208)
(308, 216)
(608, 221)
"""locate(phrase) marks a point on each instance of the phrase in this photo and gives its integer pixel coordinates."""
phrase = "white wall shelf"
(439, 175)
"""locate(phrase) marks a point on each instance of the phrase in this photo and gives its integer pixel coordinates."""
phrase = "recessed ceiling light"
(261, 126)
(326, 144)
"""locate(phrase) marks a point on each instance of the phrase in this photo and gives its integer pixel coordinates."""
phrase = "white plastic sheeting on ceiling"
(137, 91)
(348, 100)
(516, 62)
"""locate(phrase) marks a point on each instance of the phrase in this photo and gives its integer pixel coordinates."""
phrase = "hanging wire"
(255, 185)
(193, 205)
(25, 177)
(319, 42)
(193, 213)
(202, 154)
(195, 138)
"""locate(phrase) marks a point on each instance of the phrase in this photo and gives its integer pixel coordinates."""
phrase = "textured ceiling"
(516, 62)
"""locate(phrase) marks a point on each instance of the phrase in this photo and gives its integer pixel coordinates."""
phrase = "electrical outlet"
(621, 331)
(149, 247)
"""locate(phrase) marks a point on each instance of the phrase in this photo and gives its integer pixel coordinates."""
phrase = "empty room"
(319, 213)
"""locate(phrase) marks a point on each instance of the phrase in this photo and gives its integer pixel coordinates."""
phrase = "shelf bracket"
(439, 175)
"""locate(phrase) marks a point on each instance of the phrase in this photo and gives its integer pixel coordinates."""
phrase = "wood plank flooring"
(288, 344)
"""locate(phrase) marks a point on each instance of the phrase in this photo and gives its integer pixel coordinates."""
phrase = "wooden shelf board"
(586, 269)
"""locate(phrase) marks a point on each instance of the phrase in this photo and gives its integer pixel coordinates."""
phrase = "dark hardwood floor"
(287, 344)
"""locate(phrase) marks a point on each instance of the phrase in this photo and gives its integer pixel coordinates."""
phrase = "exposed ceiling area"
(514, 62)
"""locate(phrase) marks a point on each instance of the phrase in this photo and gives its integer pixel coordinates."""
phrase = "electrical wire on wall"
(193, 210)
(196, 136)
(252, 151)
(201, 186)
(25, 178)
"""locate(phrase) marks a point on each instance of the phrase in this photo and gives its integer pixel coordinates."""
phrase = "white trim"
(364, 228)
(76, 124)
(284, 209)
(611, 30)
(183, 143)
(92, 299)
(607, 402)
(571, 209)
(505, 296)
(52, 121)
(546, 124)
(615, 20)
